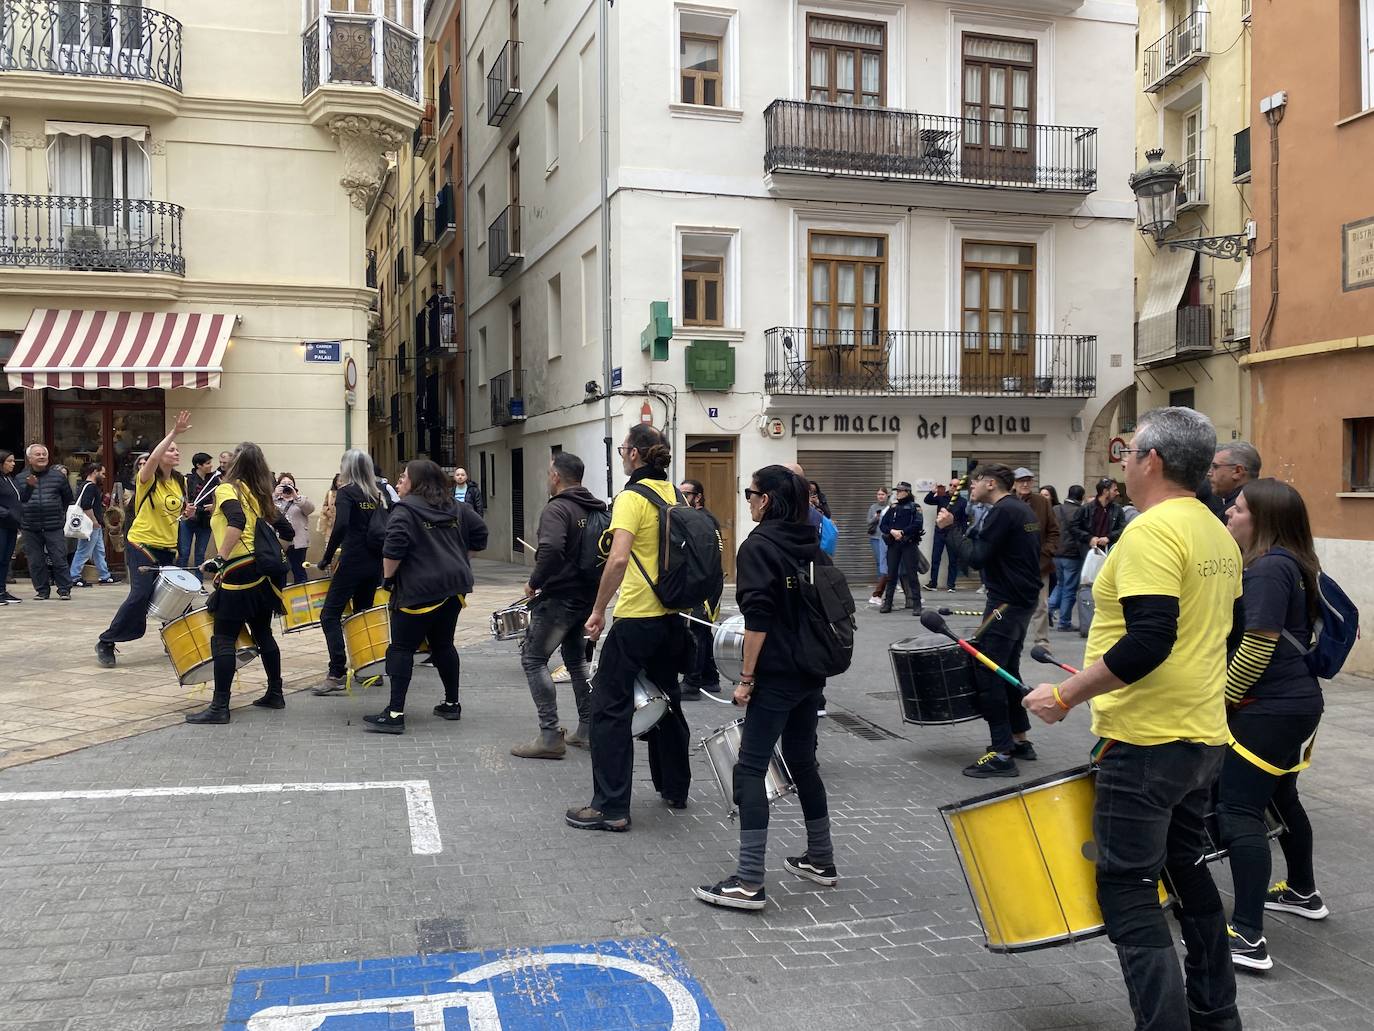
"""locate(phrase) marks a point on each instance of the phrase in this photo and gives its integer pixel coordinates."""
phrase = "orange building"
(1312, 358)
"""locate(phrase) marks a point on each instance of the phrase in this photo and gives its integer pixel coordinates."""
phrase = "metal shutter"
(848, 480)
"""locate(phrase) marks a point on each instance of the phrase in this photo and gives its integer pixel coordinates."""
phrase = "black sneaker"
(931, 587)
(386, 722)
(1023, 750)
(64, 595)
(585, 818)
(449, 711)
(821, 873)
(79, 583)
(105, 654)
(732, 894)
(1283, 899)
(1248, 954)
(40, 596)
(992, 765)
(10, 598)
(674, 803)
(113, 578)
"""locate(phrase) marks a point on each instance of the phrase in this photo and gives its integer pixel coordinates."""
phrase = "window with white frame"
(551, 131)
(708, 273)
(4, 155)
(1193, 164)
(555, 317)
(104, 174)
(705, 57)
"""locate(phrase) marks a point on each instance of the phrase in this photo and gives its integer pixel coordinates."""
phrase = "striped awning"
(120, 349)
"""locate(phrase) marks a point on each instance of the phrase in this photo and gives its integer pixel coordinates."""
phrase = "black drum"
(934, 681)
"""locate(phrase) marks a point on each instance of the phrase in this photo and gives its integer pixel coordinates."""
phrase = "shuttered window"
(848, 480)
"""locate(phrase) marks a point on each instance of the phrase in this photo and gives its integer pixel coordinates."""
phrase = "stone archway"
(1096, 461)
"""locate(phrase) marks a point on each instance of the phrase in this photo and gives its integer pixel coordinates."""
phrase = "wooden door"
(713, 463)
(998, 352)
(998, 108)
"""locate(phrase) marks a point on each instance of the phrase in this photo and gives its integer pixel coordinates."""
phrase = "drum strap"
(1308, 747)
(994, 615)
(1100, 749)
(422, 609)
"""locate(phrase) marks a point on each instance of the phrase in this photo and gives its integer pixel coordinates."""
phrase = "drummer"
(360, 562)
(244, 595)
(781, 698)
(159, 496)
(425, 566)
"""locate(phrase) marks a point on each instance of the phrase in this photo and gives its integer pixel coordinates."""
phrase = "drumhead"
(925, 643)
(1039, 784)
(182, 578)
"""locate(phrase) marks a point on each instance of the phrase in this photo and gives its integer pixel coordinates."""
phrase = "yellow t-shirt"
(640, 516)
(1179, 549)
(218, 523)
(157, 518)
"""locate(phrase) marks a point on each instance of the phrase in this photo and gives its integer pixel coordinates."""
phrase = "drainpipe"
(603, 26)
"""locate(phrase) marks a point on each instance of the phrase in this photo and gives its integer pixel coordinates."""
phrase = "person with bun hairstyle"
(645, 637)
(781, 698)
(425, 567)
(244, 595)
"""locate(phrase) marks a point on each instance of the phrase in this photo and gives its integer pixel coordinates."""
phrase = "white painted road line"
(424, 825)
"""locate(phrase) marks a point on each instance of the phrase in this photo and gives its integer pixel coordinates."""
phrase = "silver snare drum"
(510, 623)
(651, 705)
(175, 591)
(722, 749)
(727, 648)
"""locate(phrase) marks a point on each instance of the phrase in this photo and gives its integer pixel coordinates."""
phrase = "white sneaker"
(875, 601)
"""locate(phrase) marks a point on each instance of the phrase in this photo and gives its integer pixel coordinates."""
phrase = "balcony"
(1193, 188)
(442, 331)
(91, 234)
(885, 145)
(503, 83)
(445, 219)
(1179, 49)
(363, 63)
(115, 56)
(1235, 316)
(423, 137)
(370, 276)
(374, 410)
(1192, 338)
(445, 98)
(508, 398)
(928, 363)
(423, 226)
(503, 242)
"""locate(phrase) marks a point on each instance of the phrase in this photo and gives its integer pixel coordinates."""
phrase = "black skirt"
(242, 594)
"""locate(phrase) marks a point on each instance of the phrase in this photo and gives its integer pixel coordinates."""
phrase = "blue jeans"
(93, 550)
(879, 547)
(1066, 590)
(937, 549)
(188, 537)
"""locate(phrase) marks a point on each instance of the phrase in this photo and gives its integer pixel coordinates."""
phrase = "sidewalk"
(56, 699)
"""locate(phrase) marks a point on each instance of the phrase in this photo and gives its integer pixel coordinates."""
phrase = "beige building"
(182, 199)
(1192, 310)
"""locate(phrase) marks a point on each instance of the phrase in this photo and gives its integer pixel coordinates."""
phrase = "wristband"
(746, 678)
(1059, 701)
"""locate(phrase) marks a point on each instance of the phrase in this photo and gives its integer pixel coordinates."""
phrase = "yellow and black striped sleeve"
(1247, 665)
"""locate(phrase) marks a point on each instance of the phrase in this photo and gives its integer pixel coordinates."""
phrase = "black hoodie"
(766, 589)
(432, 544)
(560, 538)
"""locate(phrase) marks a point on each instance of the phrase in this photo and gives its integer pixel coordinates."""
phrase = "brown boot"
(548, 745)
(579, 738)
(881, 588)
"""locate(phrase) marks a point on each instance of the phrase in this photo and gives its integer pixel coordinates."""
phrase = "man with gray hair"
(1156, 672)
(46, 495)
(1233, 466)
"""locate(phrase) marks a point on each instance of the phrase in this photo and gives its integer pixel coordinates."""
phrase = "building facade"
(182, 220)
(883, 239)
(1193, 310)
(1312, 364)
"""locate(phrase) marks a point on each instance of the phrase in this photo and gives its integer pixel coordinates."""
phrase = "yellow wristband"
(1059, 701)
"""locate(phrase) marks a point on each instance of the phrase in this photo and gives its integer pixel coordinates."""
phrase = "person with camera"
(781, 696)
(296, 507)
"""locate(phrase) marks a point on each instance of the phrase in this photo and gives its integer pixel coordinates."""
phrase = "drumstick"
(935, 622)
(693, 619)
(1042, 654)
(960, 612)
(526, 545)
(154, 569)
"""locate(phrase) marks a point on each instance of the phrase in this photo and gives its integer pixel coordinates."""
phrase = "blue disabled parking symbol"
(638, 983)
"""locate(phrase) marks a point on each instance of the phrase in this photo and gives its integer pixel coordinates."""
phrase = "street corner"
(637, 983)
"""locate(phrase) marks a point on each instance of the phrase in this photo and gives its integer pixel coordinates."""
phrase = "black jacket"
(1082, 525)
(45, 506)
(560, 537)
(765, 587)
(475, 497)
(1068, 544)
(195, 488)
(1006, 546)
(11, 502)
(432, 545)
(353, 513)
(904, 516)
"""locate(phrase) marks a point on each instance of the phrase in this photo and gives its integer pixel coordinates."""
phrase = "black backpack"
(376, 526)
(268, 554)
(825, 636)
(593, 544)
(689, 550)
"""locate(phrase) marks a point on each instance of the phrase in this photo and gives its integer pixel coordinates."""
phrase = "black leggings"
(224, 650)
(1243, 792)
(408, 631)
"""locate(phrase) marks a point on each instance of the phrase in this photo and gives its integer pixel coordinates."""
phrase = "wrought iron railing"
(1194, 182)
(443, 329)
(423, 228)
(884, 143)
(503, 241)
(370, 276)
(445, 209)
(360, 50)
(1192, 336)
(1235, 315)
(1177, 50)
(503, 82)
(96, 39)
(424, 132)
(508, 398)
(91, 234)
(929, 363)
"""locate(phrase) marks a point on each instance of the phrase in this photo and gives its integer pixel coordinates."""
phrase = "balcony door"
(846, 62)
(998, 108)
(96, 36)
(94, 179)
(847, 297)
(998, 317)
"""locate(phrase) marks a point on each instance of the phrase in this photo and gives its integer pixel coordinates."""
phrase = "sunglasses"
(622, 451)
(750, 493)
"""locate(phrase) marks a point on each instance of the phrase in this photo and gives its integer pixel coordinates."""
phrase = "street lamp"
(1156, 188)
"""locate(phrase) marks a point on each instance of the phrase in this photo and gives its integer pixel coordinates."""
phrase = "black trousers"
(1243, 792)
(350, 583)
(224, 650)
(658, 647)
(408, 631)
(296, 557)
(1001, 641)
(901, 565)
(131, 621)
(46, 548)
(701, 668)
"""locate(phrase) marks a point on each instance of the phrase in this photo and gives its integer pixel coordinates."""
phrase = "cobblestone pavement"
(139, 912)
